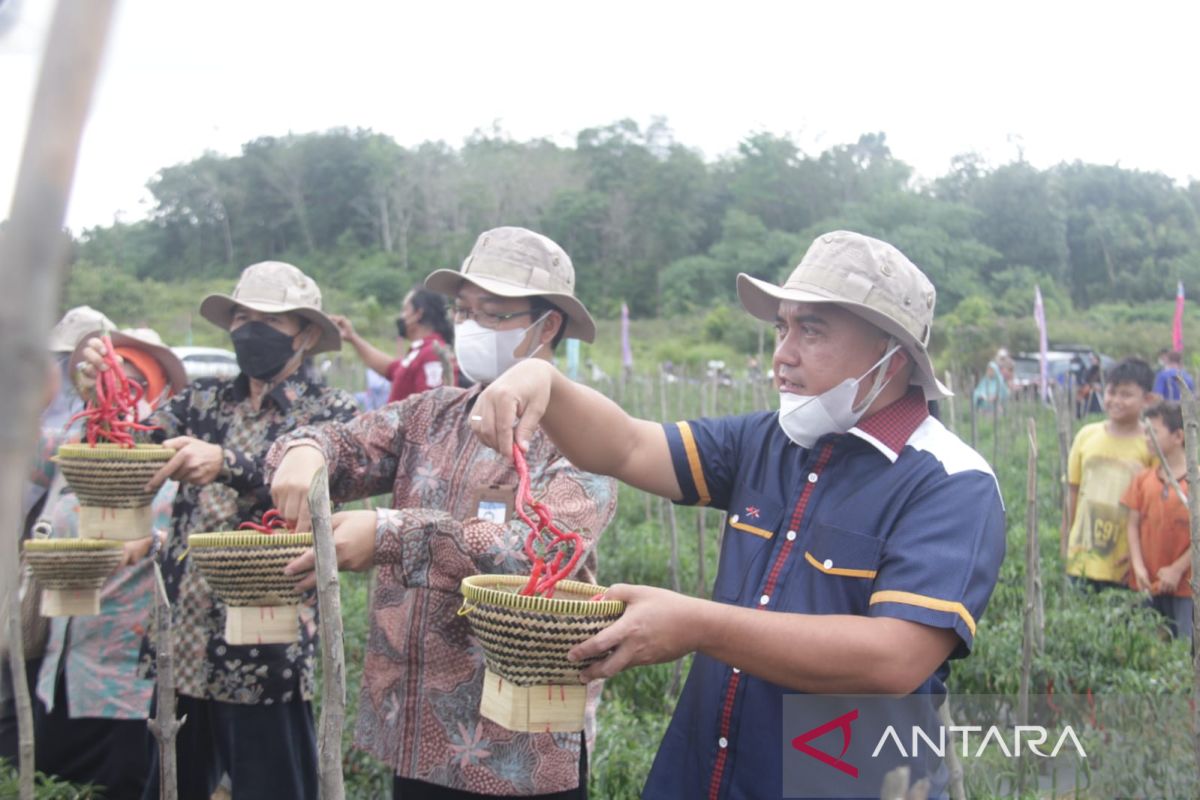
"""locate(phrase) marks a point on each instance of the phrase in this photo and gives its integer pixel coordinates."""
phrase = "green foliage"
(45, 787)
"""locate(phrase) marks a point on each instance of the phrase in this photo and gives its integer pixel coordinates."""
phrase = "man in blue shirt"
(872, 533)
(1165, 384)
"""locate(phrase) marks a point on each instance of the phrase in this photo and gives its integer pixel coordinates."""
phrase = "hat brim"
(761, 299)
(580, 324)
(172, 366)
(218, 309)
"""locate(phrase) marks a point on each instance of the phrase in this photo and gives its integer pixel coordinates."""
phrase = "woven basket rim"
(59, 545)
(249, 539)
(107, 451)
(477, 589)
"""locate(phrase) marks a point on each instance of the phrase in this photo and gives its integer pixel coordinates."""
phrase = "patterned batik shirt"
(423, 674)
(218, 410)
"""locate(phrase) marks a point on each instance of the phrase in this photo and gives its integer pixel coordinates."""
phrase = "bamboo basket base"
(70, 602)
(120, 524)
(262, 624)
(548, 708)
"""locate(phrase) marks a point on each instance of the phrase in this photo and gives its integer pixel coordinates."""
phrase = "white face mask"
(484, 354)
(806, 418)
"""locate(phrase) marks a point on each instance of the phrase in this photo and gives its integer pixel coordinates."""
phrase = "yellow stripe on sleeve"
(693, 457)
(913, 599)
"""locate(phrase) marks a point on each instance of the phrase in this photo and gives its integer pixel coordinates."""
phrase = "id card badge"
(494, 503)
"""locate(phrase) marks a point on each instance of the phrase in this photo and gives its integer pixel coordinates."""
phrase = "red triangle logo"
(841, 723)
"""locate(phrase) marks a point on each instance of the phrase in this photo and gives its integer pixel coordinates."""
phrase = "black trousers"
(269, 751)
(409, 789)
(111, 753)
(8, 708)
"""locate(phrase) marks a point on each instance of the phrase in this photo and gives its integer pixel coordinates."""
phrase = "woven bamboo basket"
(109, 481)
(245, 569)
(72, 572)
(529, 684)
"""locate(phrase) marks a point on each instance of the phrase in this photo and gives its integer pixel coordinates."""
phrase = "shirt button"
(766, 598)
(736, 671)
(722, 743)
(791, 536)
(812, 477)
(733, 520)
(829, 563)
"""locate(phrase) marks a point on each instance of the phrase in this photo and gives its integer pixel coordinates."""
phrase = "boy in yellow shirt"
(1105, 458)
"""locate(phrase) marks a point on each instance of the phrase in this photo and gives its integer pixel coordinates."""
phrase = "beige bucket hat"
(274, 287)
(516, 262)
(867, 277)
(146, 340)
(75, 325)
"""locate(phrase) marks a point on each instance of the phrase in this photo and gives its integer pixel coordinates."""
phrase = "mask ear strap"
(536, 324)
(880, 382)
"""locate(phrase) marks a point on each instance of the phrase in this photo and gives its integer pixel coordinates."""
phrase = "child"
(1104, 459)
(1159, 533)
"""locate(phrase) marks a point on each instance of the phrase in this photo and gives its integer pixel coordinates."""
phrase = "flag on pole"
(1177, 328)
(626, 350)
(1039, 316)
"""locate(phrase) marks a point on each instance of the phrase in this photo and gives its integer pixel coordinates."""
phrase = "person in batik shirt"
(451, 517)
(249, 707)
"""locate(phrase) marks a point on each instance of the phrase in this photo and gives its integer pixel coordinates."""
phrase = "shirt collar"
(888, 429)
(282, 393)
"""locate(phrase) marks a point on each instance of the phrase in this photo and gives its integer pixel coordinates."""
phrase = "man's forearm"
(834, 653)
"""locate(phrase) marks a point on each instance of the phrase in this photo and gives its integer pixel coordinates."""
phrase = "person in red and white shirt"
(429, 362)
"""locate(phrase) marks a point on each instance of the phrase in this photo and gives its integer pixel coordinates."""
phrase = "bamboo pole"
(32, 252)
(163, 725)
(950, 402)
(333, 654)
(1062, 409)
(1029, 636)
(1191, 428)
(974, 424)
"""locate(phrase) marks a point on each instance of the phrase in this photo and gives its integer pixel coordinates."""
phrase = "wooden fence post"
(1191, 429)
(1029, 636)
(32, 252)
(333, 657)
(163, 725)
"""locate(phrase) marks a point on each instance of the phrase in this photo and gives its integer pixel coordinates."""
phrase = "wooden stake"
(1191, 429)
(950, 402)
(163, 725)
(1062, 409)
(1029, 636)
(333, 654)
(32, 252)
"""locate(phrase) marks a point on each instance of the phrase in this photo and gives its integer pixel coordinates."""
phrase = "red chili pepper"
(272, 522)
(113, 413)
(544, 575)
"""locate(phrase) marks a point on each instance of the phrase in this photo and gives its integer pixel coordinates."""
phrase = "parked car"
(207, 362)
(1060, 363)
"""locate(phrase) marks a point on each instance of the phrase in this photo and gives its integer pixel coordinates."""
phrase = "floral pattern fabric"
(219, 411)
(423, 672)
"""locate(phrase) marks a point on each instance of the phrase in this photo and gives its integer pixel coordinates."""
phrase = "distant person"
(1166, 382)
(993, 387)
(1159, 533)
(429, 361)
(1105, 457)
(1089, 396)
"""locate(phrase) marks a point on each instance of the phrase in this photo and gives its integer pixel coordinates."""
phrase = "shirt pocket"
(835, 573)
(840, 553)
(750, 528)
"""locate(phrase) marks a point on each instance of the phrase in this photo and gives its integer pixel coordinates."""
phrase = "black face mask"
(261, 350)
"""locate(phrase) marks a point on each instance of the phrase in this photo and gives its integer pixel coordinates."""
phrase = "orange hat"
(156, 376)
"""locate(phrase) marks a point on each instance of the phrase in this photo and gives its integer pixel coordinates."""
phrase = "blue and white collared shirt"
(896, 518)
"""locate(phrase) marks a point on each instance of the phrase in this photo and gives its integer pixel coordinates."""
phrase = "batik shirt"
(219, 411)
(423, 674)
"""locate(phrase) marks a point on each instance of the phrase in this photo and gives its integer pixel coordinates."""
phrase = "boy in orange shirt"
(1158, 529)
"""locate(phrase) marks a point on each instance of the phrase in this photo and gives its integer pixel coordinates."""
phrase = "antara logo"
(801, 742)
(1035, 735)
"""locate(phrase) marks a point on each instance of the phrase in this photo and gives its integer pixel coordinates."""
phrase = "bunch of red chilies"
(272, 522)
(112, 413)
(545, 574)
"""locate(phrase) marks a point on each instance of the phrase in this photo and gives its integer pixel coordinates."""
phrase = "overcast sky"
(1102, 82)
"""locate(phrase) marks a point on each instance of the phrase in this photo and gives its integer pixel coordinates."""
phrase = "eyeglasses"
(486, 319)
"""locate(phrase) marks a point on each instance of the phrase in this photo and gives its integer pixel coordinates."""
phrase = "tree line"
(650, 222)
